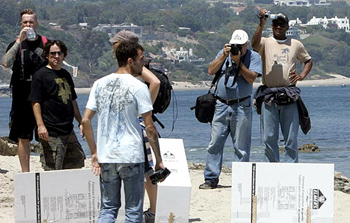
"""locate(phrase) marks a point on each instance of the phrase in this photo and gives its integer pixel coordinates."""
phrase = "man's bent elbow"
(211, 71)
(85, 121)
(151, 130)
(4, 64)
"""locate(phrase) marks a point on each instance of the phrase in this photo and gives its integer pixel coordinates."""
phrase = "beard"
(136, 72)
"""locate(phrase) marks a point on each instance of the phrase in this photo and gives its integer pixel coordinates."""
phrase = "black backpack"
(163, 99)
(164, 95)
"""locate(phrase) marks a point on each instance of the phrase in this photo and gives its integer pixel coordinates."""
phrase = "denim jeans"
(235, 120)
(111, 177)
(288, 117)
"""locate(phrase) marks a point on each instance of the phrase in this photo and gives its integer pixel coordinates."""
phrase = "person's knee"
(23, 141)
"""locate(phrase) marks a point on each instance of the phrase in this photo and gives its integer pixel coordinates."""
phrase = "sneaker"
(207, 185)
(148, 216)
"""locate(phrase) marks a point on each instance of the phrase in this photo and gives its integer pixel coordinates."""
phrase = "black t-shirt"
(54, 90)
(28, 59)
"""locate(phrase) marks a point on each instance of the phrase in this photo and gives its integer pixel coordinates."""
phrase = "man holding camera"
(233, 112)
(279, 95)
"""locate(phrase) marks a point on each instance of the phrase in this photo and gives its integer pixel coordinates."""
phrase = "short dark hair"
(50, 43)
(126, 50)
(29, 12)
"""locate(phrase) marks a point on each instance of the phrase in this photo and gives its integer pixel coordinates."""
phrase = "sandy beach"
(208, 206)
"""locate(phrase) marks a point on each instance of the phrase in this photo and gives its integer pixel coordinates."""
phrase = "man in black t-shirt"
(54, 104)
(24, 56)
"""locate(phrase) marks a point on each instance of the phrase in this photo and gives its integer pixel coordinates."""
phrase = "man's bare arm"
(89, 136)
(42, 131)
(258, 32)
(152, 135)
(154, 82)
(10, 55)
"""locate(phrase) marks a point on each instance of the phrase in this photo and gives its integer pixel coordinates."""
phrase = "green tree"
(92, 46)
(9, 12)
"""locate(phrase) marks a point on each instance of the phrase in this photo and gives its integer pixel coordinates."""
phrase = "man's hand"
(227, 48)
(81, 129)
(261, 15)
(159, 166)
(294, 77)
(23, 34)
(236, 58)
(42, 132)
(95, 165)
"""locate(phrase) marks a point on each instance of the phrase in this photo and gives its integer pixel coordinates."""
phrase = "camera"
(159, 175)
(268, 15)
(235, 48)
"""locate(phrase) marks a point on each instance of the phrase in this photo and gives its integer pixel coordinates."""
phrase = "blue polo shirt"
(241, 88)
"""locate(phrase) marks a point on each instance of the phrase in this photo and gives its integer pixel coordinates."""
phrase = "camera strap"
(216, 78)
(236, 69)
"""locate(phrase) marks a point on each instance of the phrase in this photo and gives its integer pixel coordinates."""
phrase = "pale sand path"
(207, 206)
(338, 80)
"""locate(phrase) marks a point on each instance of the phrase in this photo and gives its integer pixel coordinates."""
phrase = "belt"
(232, 101)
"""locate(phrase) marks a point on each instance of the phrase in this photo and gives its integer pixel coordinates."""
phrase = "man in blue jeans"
(280, 55)
(118, 99)
(233, 111)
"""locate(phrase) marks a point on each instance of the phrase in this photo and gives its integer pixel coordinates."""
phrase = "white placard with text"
(282, 192)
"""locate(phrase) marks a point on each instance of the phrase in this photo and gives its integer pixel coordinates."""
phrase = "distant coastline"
(337, 80)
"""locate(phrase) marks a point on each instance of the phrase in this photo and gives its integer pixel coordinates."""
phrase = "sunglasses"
(279, 23)
(55, 53)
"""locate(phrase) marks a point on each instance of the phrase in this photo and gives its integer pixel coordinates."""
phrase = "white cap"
(239, 37)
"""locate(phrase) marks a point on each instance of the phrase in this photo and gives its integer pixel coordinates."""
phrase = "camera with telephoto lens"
(159, 175)
(235, 48)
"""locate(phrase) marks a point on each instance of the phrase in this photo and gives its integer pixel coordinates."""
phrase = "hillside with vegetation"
(211, 26)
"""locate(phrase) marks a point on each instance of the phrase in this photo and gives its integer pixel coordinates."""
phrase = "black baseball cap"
(281, 16)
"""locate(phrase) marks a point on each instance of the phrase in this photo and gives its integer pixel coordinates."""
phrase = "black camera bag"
(205, 104)
(205, 107)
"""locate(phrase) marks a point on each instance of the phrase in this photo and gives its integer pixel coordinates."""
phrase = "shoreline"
(336, 80)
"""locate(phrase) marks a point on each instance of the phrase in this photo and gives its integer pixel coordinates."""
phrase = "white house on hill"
(300, 3)
(341, 23)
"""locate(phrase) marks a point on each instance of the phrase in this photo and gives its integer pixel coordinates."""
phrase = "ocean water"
(328, 107)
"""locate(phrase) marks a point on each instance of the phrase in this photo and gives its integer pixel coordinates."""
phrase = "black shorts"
(22, 116)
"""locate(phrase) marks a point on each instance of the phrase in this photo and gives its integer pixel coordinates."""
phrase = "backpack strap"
(216, 78)
(44, 40)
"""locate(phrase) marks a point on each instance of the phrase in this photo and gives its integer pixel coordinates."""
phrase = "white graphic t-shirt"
(118, 99)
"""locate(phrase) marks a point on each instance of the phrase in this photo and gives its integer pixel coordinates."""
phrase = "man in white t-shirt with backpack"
(118, 99)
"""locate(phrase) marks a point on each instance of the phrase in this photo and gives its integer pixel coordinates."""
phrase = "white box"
(282, 192)
(174, 194)
(57, 196)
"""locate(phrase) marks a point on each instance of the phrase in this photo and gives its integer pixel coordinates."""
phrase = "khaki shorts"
(62, 152)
